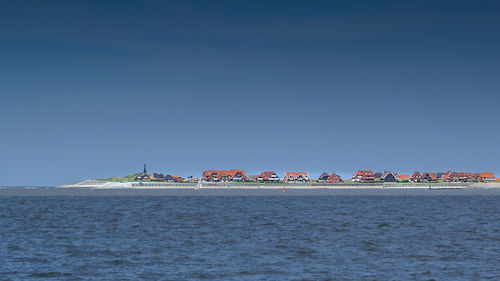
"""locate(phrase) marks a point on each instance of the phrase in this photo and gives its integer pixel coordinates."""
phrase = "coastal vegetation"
(127, 178)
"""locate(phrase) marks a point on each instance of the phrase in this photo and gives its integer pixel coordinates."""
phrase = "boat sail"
(199, 185)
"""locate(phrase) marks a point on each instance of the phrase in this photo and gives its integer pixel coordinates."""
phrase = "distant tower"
(145, 171)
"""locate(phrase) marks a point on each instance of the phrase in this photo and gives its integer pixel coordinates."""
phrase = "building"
(323, 177)
(404, 177)
(445, 176)
(460, 177)
(224, 176)
(172, 178)
(141, 177)
(192, 179)
(416, 177)
(296, 177)
(363, 176)
(268, 176)
(334, 178)
(440, 176)
(156, 177)
(377, 175)
(429, 177)
(486, 177)
(169, 178)
(388, 177)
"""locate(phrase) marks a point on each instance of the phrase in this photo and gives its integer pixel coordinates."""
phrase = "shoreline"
(52, 192)
(96, 184)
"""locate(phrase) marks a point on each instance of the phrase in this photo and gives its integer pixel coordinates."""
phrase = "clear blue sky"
(92, 89)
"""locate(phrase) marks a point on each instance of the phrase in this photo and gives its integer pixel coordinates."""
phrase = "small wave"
(50, 274)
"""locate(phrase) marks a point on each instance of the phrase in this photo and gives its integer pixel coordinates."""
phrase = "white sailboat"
(199, 186)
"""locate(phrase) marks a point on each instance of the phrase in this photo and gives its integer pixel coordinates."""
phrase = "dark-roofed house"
(429, 177)
(363, 176)
(377, 175)
(388, 177)
(268, 176)
(173, 178)
(169, 178)
(323, 177)
(156, 177)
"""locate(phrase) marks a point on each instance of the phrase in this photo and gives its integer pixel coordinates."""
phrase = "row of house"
(157, 177)
(302, 177)
(450, 176)
(267, 176)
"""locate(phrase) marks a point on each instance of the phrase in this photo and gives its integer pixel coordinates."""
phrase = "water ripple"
(250, 238)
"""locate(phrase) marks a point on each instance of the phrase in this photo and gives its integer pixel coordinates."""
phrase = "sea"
(54, 234)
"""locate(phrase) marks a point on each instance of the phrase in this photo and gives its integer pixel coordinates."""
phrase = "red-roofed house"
(267, 176)
(334, 178)
(363, 175)
(224, 175)
(177, 178)
(486, 177)
(416, 177)
(404, 177)
(446, 176)
(296, 177)
(460, 177)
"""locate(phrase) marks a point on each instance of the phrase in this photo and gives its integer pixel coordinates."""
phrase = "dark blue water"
(250, 238)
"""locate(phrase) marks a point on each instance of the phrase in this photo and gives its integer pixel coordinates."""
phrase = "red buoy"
(91, 189)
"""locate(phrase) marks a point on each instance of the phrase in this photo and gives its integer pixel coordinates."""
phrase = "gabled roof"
(295, 175)
(266, 175)
(386, 173)
(432, 175)
(324, 175)
(364, 173)
(333, 176)
(487, 175)
(224, 173)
